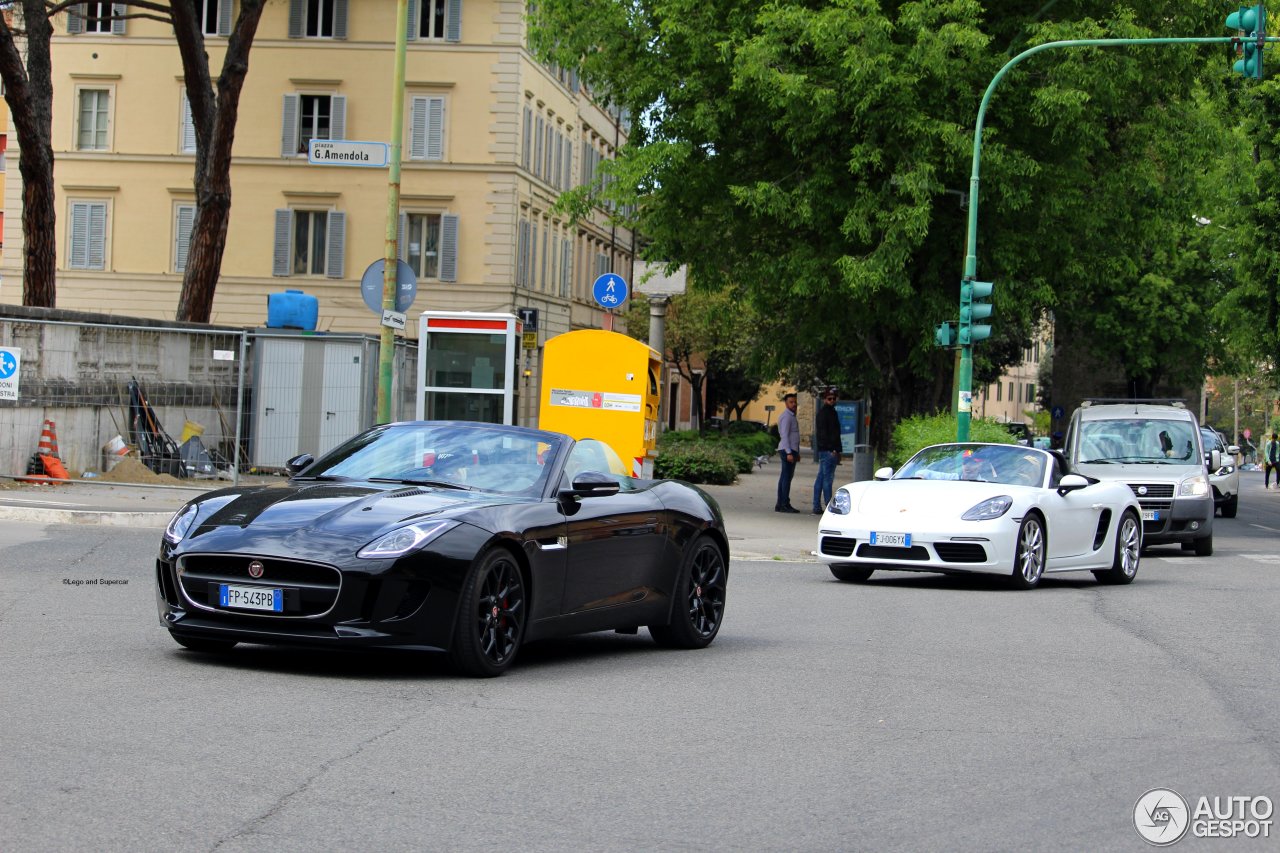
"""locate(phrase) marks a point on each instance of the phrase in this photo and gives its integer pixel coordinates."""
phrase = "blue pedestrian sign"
(610, 290)
(10, 359)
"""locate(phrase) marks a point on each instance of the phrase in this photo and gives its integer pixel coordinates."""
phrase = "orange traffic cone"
(48, 445)
(50, 468)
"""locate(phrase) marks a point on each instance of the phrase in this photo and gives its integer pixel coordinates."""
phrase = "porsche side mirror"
(884, 473)
(1071, 483)
(299, 462)
(592, 484)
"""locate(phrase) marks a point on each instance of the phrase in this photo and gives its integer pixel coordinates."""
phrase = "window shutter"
(557, 159)
(568, 163)
(449, 247)
(435, 128)
(334, 266)
(418, 129)
(566, 265)
(224, 17)
(526, 137)
(339, 19)
(411, 30)
(184, 222)
(280, 255)
(117, 23)
(537, 147)
(97, 236)
(295, 21)
(533, 254)
(542, 276)
(453, 22)
(519, 253)
(338, 117)
(75, 21)
(78, 250)
(402, 237)
(188, 126)
(289, 127)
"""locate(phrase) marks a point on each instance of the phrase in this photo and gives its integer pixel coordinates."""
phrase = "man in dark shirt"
(827, 438)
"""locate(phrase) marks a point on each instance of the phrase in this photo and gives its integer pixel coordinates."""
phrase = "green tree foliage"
(817, 155)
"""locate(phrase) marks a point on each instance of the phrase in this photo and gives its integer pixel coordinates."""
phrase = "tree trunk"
(214, 118)
(29, 93)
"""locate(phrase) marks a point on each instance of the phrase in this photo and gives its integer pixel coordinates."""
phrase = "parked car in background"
(1154, 447)
(1225, 478)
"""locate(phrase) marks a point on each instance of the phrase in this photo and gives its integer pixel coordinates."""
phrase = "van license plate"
(1151, 515)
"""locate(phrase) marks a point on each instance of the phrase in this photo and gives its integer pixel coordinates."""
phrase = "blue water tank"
(292, 309)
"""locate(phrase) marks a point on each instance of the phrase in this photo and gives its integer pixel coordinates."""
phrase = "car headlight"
(1194, 487)
(181, 523)
(989, 509)
(841, 503)
(404, 540)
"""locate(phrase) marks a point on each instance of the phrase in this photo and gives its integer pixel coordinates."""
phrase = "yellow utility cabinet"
(604, 385)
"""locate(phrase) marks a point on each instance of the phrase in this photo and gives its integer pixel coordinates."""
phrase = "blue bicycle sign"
(609, 290)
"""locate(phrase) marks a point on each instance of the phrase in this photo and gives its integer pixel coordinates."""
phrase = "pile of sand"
(129, 470)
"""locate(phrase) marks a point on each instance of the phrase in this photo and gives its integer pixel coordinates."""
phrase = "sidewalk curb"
(84, 516)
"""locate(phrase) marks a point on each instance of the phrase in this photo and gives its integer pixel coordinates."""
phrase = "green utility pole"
(1249, 22)
(387, 345)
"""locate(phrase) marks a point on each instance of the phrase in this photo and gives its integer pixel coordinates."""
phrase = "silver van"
(1156, 448)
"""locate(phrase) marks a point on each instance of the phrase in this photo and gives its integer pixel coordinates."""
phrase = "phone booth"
(467, 366)
(604, 385)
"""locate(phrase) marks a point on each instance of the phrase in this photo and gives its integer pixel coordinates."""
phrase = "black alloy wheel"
(491, 619)
(699, 596)
(199, 644)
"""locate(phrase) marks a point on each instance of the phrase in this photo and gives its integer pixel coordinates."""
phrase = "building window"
(435, 19)
(526, 138)
(427, 128)
(999, 392)
(309, 242)
(318, 19)
(308, 117)
(96, 17)
(215, 17)
(95, 105)
(184, 219)
(1031, 392)
(422, 249)
(88, 236)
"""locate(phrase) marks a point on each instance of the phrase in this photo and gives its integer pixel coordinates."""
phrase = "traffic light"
(944, 335)
(1251, 23)
(971, 309)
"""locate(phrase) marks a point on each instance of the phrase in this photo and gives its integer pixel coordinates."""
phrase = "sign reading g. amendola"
(342, 152)
(10, 361)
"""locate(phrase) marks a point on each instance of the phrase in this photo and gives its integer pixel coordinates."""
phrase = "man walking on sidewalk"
(827, 437)
(789, 450)
(1271, 457)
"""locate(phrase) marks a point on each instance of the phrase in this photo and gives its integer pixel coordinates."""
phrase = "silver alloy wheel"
(1130, 545)
(1031, 550)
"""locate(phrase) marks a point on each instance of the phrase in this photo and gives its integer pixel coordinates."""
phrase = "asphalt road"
(910, 713)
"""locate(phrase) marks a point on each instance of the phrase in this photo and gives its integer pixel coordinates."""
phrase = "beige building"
(491, 137)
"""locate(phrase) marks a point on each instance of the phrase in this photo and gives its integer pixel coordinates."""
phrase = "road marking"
(1263, 558)
(1264, 527)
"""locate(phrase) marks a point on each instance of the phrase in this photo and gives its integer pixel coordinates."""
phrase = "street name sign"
(343, 152)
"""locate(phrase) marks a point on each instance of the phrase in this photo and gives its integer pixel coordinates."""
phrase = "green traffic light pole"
(387, 340)
(964, 385)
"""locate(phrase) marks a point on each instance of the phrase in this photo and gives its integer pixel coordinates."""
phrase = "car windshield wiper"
(325, 478)
(1097, 462)
(440, 484)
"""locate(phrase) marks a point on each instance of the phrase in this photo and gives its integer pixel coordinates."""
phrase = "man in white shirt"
(789, 450)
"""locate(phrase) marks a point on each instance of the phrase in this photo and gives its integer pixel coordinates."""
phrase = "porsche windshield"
(1137, 441)
(451, 455)
(1010, 464)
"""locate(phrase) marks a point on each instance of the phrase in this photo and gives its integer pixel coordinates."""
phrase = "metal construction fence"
(185, 401)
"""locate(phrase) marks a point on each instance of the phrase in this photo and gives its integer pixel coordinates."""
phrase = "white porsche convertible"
(994, 508)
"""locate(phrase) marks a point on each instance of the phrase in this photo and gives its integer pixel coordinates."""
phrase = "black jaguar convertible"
(464, 538)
